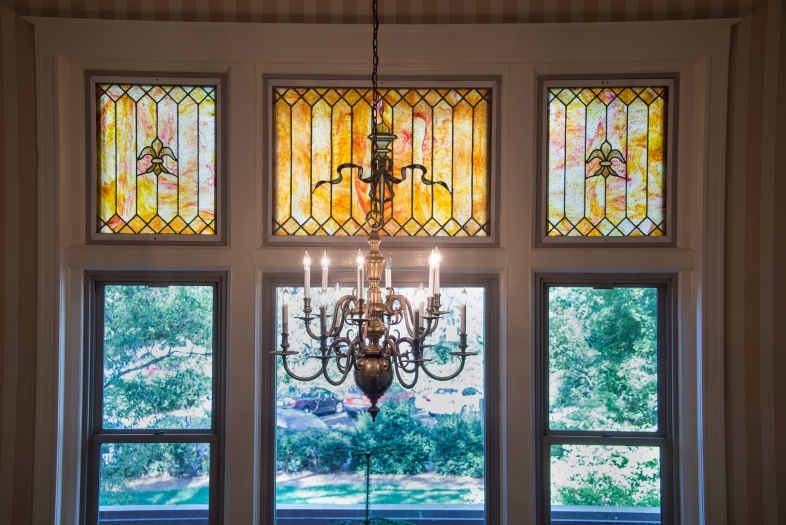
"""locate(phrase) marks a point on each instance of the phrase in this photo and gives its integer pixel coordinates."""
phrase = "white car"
(447, 400)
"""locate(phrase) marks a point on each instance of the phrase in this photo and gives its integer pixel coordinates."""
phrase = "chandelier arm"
(344, 374)
(296, 377)
(335, 346)
(340, 312)
(401, 380)
(311, 334)
(448, 377)
(409, 313)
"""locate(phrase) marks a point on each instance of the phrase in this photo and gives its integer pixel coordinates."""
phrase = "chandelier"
(375, 354)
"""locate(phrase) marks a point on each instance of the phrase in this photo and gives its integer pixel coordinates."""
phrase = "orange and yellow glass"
(156, 159)
(607, 161)
(446, 130)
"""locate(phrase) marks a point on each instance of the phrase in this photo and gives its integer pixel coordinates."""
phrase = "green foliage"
(406, 439)
(457, 443)
(124, 462)
(314, 449)
(603, 358)
(608, 476)
(157, 374)
(157, 354)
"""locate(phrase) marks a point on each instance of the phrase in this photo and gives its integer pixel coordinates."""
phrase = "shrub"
(314, 450)
(406, 439)
(458, 446)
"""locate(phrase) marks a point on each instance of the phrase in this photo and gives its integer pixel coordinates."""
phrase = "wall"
(17, 267)
(755, 305)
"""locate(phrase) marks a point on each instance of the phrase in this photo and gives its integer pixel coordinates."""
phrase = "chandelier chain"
(375, 91)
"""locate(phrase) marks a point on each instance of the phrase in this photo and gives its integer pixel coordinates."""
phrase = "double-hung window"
(153, 398)
(605, 380)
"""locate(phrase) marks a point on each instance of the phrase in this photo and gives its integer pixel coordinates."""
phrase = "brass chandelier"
(374, 353)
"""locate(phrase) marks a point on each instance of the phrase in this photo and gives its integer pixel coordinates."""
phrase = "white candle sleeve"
(436, 281)
(463, 318)
(285, 318)
(324, 278)
(430, 281)
(387, 277)
(307, 283)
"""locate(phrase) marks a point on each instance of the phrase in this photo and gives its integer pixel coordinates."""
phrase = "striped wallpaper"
(391, 11)
(755, 261)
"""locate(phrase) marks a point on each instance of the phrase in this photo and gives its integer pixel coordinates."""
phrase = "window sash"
(404, 278)
(663, 438)
(96, 435)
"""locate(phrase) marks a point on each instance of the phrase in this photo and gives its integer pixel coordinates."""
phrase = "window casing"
(460, 207)
(155, 158)
(409, 510)
(659, 439)
(185, 428)
(622, 174)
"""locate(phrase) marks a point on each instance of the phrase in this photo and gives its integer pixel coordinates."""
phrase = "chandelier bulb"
(463, 297)
(285, 297)
(306, 262)
(360, 260)
(325, 260)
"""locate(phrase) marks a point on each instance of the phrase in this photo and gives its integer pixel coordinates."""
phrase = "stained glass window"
(606, 161)
(446, 130)
(156, 158)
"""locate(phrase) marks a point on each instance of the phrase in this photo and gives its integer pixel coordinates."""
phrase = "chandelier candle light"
(372, 352)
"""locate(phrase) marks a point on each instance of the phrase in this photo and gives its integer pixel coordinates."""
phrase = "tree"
(157, 374)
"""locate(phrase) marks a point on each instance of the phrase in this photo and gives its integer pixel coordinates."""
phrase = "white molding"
(698, 50)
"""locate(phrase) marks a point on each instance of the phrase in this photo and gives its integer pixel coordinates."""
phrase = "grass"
(338, 494)
(183, 496)
(381, 494)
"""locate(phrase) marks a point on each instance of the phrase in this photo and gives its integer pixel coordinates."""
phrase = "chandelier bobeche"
(374, 354)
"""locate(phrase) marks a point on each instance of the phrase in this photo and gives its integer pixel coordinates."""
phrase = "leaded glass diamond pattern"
(607, 161)
(156, 149)
(447, 130)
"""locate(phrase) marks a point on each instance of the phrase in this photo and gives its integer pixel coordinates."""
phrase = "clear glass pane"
(433, 463)
(140, 482)
(158, 357)
(605, 484)
(603, 359)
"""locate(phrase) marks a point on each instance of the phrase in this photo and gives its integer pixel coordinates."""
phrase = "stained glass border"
(217, 79)
(271, 81)
(672, 82)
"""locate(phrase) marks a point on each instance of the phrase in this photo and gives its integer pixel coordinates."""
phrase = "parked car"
(355, 401)
(315, 401)
(448, 400)
(297, 419)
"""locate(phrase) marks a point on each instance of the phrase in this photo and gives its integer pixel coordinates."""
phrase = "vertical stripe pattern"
(755, 256)
(18, 261)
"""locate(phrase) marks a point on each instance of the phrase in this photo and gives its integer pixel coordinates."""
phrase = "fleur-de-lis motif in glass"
(605, 153)
(157, 152)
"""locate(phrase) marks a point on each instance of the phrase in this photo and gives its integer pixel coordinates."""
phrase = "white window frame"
(491, 368)
(94, 435)
(662, 437)
(519, 54)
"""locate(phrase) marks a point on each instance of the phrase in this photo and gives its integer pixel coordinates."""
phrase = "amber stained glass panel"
(156, 159)
(607, 161)
(448, 131)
